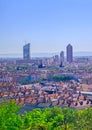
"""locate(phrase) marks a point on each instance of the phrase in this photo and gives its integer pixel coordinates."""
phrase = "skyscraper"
(69, 50)
(56, 59)
(61, 58)
(26, 52)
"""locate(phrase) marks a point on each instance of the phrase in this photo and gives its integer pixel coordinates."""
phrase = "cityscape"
(61, 81)
(45, 65)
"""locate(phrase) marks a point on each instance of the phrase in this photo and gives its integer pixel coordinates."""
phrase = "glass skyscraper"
(26, 52)
(61, 58)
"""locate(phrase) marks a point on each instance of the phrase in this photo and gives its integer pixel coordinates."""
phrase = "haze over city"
(48, 25)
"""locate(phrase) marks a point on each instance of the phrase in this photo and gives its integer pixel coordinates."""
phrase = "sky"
(49, 25)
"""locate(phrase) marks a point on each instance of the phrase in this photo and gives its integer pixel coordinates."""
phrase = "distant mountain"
(43, 54)
(85, 53)
(57, 53)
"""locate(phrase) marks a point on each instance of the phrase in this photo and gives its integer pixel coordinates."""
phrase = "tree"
(84, 119)
(44, 119)
(69, 117)
(9, 119)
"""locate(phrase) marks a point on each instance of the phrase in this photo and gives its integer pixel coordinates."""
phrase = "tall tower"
(56, 59)
(61, 58)
(26, 52)
(69, 50)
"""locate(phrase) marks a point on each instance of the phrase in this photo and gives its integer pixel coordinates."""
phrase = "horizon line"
(45, 52)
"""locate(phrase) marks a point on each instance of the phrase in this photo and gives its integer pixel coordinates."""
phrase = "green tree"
(84, 119)
(69, 118)
(9, 119)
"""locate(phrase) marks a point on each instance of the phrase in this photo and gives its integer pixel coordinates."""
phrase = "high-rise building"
(26, 52)
(61, 58)
(69, 51)
(56, 59)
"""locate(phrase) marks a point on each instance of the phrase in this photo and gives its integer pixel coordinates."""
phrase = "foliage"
(44, 119)
(9, 119)
(63, 78)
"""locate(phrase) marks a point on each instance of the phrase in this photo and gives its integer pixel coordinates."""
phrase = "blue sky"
(49, 25)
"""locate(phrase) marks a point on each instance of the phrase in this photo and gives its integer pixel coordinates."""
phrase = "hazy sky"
(49, 25)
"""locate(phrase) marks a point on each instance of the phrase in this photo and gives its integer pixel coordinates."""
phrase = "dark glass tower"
(61, 58)
(26, 52)
(69, 50)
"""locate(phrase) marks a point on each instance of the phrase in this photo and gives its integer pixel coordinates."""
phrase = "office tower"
(26, 52)
(69, 50)
(61, 58)
(56, 59)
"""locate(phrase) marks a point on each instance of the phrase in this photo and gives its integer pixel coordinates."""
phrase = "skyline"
(49, 26)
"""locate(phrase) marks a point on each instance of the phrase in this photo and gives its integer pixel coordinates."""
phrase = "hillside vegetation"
(45, 119)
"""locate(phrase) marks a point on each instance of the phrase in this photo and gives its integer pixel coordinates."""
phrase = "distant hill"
(43, 54)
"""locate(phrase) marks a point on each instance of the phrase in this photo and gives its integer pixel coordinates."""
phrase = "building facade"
(26, 52)
(61, 58)
(69, 51)
(56, 59)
